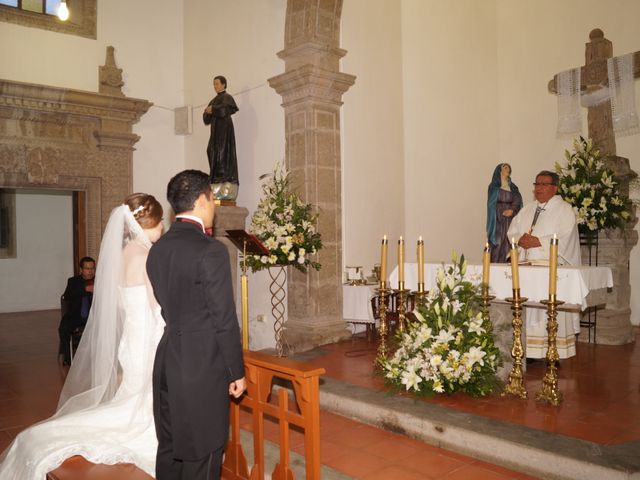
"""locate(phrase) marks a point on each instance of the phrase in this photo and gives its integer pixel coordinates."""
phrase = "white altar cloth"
(356, 303)
(574, 283)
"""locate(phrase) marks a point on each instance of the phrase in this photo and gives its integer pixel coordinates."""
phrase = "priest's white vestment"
(556, 217)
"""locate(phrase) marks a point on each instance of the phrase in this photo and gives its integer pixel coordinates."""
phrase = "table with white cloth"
(579, 287)
(356, 306)
(574, 283)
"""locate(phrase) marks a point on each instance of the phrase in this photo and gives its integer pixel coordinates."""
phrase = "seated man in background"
(78, 296)
(532, 228)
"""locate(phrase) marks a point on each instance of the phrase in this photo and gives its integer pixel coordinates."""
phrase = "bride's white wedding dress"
(118, 431)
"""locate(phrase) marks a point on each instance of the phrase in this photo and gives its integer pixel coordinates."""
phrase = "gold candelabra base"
(485, 303)
(383, 329)
(402, 307)
(515, 382)
(549, 392)
(421, 296)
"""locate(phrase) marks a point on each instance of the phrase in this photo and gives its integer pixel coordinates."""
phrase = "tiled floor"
(601, 388)
(365, 452)
(602, 404)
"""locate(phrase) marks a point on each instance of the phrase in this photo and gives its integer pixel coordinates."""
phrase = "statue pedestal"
(230, 218)
(614, 321)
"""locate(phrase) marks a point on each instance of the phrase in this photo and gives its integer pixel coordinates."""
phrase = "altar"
(579, 287)
(356, 306)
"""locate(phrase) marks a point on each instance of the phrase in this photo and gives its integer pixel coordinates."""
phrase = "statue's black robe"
(221, 150)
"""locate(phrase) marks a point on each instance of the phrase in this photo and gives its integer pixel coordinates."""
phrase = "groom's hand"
(237, 387)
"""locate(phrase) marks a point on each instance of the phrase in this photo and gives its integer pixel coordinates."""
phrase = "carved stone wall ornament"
(110, 76)
(57, 138)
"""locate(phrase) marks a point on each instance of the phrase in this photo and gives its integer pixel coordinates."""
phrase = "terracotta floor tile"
(362, 437)
(329, 451)
(432, 464)
(357, 464)
(393, 448)
(394, 472)
(475, 472)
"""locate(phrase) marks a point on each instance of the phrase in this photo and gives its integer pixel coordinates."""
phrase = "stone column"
(312, 88)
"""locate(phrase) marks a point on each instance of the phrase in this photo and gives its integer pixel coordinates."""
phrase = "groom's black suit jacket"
(200, 351)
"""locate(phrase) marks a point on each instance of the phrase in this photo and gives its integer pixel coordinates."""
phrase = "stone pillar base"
(303, 336)
(613, 327)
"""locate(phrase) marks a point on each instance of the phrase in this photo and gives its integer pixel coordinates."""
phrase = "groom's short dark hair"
(185, 188)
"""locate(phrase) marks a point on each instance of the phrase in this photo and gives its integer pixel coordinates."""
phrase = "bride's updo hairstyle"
(145, 208)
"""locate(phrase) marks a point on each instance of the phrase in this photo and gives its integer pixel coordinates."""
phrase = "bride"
(105, 409)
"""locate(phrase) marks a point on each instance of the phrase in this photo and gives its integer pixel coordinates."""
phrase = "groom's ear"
(200, 201)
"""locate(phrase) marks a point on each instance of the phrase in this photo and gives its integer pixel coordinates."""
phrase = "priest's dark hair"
(222, 80)
(185, 188)
(555, 179)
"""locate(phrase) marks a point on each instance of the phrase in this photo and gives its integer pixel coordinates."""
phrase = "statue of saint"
(221, 150)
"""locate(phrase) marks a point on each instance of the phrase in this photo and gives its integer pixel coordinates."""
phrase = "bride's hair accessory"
(138, 210)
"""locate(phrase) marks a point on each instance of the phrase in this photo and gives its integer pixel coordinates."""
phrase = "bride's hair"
(145, 208)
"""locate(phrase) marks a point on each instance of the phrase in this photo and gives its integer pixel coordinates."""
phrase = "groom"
(199, 358)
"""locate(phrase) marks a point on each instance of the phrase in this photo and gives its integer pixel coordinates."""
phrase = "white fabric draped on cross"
(623, 95)
(621, 92)
(569, 118)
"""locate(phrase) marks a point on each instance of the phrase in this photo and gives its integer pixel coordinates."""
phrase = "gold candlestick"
(515, 383)
(420, 296)
(485, 303)
(549, 391)
(382, 330)
(402, 306)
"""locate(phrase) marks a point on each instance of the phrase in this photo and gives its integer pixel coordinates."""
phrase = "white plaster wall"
(36, 278)
(450, 89)
(372, 130)
(148, 39)
(239, 40)
(533, 45)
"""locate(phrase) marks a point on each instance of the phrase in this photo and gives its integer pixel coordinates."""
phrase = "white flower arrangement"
(449, 347)
(285, 225)
(591, 190)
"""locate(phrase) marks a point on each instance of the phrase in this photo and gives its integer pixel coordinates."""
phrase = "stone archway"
(312, 87)
(57, 138)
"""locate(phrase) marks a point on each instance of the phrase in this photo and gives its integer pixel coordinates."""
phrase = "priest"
(533, 227)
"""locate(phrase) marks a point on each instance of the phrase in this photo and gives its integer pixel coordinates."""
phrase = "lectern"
(248, 244)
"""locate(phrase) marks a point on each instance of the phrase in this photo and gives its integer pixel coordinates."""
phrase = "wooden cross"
(593, 77)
